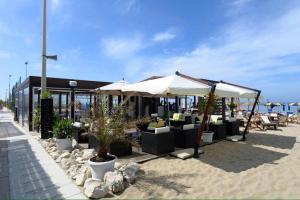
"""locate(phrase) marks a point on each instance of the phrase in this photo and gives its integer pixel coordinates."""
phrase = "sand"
(267, 165)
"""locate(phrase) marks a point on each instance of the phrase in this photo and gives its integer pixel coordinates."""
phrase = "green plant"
(202, 107)
(108, 126)
(37, 118)
(46, 95)
(63, 128)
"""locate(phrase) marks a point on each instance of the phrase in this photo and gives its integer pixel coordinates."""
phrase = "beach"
(264, 166)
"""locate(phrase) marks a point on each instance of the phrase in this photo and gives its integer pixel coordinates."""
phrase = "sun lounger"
(282, 121)
(267, 123)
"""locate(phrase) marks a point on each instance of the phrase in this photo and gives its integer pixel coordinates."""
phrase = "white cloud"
(4, 54)
(164, 36)
(121, 47)
(55, 4)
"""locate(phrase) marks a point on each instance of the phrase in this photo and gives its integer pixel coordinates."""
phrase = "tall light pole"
(9, 76)
(26, 63)
(43, 79)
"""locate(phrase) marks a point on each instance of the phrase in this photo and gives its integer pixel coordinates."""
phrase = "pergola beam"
(251, 114)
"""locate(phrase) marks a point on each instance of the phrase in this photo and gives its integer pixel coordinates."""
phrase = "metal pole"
(43, 79)
(205, 117)
(252, 113)
(9, 76)
(26, 63)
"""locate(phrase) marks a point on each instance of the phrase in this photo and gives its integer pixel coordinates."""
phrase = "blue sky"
(255, 43)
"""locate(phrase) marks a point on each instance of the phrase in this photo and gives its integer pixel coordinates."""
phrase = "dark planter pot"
(219, 131)
(117, 148)
(142, 127)
(46, 118)
(121, 148)
(232, 128)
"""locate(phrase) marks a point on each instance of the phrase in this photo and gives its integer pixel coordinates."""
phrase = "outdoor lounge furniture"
(117, 148)
(267, 123)
(185, 136)
(80, 133)
(219, 131)
(232, 127)
(159, 142)
(282, 120)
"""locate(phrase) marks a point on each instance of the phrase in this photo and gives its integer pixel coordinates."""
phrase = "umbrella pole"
(204, 120)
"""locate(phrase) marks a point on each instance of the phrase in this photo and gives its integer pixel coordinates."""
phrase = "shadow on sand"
(271, 140)
(169, 182)
(241, 156)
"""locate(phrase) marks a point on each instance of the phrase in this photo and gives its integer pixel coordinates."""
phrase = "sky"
(248, 42)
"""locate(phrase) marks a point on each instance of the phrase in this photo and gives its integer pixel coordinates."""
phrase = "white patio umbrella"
(227, 90)
(113, 88)
(173, 85)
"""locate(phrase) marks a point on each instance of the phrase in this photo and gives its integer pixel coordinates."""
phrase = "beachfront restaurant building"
(28, 94)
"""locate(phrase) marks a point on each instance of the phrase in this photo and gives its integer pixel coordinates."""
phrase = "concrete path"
(26, 169)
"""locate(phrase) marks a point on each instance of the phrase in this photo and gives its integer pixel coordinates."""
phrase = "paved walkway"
(26, 169)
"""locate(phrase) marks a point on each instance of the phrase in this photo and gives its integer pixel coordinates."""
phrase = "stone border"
(74, 163)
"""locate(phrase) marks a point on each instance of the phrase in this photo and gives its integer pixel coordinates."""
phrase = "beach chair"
(267, 123)
(282, 120)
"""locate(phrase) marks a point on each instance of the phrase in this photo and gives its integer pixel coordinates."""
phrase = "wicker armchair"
(157, 143)
(185, 137)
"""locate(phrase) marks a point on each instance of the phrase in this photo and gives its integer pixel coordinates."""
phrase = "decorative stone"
(64, 155)
(114, 180)
(75, 153)
(95, 189)
(84, 174)
(65, 163)
(88, 153)
(129, 171)
(74, 170)
(118, 165)
(80, 179)
(52, 149)
(54, 155)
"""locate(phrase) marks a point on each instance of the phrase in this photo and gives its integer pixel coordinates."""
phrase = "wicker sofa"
(185, 136)
(157, 142)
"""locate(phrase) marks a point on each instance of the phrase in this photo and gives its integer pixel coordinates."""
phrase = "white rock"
(84, 173)
(118, 165)
(65, 155)
(88, 153)
(129, 171)
(95, 189)
(52, 149)
(51, 144)
(114, 180)
(65, 163)
(80, 179)
(54, 155)
(74, 170)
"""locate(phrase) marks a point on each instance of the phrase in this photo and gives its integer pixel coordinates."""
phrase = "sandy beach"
(267, 165)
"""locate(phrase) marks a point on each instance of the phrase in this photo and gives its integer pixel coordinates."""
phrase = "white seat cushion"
(162, 130)
(77, 124)
(188, 126)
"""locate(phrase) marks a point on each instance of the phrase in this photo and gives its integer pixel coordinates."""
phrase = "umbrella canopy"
(272, 104)
(234, 91)
(177, 85)
(294, 104)
(114, 88)
(168, 86)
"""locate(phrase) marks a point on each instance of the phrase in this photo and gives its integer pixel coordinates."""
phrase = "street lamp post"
(26, 63)
(9, 76)
(43, 79)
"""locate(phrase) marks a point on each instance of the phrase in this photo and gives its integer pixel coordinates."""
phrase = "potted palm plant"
(107, 128)
(207, 133)
(62, 131)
